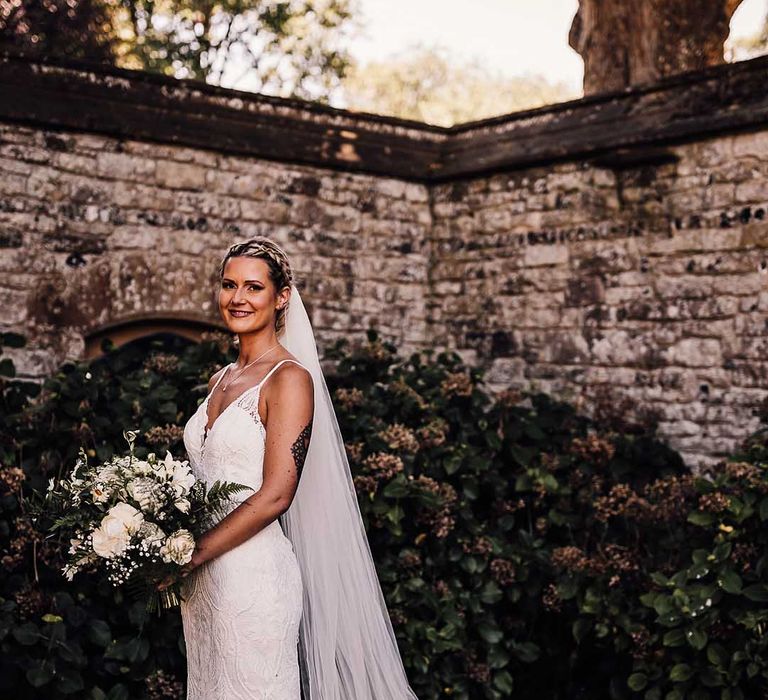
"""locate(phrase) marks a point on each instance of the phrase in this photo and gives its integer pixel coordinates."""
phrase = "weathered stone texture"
(651, 281)
(97, 230)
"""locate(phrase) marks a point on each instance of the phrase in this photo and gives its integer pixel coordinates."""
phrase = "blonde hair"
(279, 268)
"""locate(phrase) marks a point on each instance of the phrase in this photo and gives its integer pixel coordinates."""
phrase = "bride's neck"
(252, 347)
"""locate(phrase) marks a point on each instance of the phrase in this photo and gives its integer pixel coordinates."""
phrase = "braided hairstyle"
(279, 268)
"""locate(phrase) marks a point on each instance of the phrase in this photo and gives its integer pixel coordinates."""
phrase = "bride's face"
(248, 300)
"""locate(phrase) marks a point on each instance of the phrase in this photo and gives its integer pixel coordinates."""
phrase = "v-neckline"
(206, 417)
(206, 428)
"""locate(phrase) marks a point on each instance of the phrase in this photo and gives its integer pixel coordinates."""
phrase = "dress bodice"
(233, 447)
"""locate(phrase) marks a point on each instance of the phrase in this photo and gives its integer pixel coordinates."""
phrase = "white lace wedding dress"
(241, 611)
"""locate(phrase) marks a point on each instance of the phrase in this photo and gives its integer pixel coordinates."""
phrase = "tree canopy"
(290, 49)
(425, 85)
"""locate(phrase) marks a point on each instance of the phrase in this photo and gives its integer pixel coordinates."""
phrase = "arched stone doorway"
(133, 328)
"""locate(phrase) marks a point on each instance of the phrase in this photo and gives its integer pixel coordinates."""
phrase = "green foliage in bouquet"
(525, 551)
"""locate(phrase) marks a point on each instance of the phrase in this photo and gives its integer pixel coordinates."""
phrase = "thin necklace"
(224, 388)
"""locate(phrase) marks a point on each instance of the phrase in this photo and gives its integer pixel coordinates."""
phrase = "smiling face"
(248, 298)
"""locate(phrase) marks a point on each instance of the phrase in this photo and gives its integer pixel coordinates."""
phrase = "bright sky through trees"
(513, 37)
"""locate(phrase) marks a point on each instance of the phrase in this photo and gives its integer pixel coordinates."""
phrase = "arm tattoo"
(300, 447)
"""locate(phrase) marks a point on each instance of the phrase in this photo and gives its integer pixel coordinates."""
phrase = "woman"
(285, 582)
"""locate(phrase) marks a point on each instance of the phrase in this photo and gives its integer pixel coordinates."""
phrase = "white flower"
(183, 479)
(183, 505)
(107, 474)
(74, 544)
(111, 538)
(166, 467)
(99, 493)
(178, 547)
(147, 492)
(141, 467)
(127, 515)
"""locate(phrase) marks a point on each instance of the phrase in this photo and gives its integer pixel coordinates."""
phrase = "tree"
(628, 43)
(73, 28)
(290, 48)
(283, 48)
(424, 84)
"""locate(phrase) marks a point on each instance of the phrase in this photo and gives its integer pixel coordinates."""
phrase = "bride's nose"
(238, 297)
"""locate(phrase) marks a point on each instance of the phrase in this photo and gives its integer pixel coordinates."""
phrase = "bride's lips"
(239, 314)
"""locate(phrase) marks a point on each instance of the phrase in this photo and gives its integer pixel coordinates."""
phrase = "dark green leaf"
(38, 676)
(637, 681)
(680, 673)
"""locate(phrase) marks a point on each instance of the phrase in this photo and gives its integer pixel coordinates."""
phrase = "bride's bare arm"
(288, 396)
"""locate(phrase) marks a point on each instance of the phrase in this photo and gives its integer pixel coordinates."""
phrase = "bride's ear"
(283, 296)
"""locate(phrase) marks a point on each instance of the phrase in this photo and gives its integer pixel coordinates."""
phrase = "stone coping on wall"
(614, 129)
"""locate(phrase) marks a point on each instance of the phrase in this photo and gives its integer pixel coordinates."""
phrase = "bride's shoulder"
(291, 375)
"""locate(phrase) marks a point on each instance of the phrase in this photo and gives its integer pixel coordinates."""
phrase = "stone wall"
(647, 284)
(612, 248)
(97, 231)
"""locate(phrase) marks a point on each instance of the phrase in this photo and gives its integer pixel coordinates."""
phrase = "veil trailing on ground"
(347, 647)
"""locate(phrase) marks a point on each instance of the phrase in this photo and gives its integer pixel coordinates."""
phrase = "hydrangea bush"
(525, 550)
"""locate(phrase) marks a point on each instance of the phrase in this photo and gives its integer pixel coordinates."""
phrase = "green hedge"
(524, 550)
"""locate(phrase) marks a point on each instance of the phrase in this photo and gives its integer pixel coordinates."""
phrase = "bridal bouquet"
(135, 521)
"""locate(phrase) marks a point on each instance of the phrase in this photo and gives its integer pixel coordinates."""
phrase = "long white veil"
(347, 647)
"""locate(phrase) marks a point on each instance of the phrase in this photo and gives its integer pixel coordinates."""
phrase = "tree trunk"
(625, 43)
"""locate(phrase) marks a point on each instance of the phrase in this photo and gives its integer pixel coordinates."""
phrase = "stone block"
(695, 352)
(184, 176)
(751, 144)
(122, 166)
(752, 192)
(539, 255)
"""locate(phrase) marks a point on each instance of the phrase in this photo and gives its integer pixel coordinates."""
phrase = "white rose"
(178, 547)
(127, 515)
(111, 538)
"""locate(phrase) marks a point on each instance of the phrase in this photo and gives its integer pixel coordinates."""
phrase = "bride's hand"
(183, 572)
(192, 564)
(167, 581)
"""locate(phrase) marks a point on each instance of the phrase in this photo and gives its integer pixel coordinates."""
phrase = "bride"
(281, 598)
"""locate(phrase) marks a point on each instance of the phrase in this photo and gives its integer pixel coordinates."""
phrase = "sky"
(513, 37)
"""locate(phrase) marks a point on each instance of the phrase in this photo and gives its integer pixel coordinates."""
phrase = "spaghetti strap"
(269, 374)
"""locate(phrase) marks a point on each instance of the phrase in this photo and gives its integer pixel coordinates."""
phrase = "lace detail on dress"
(249, 402)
